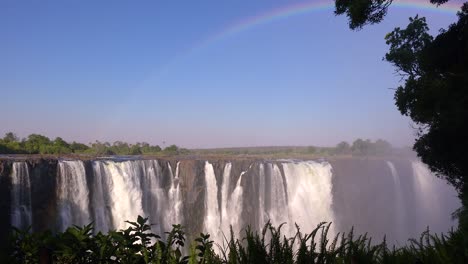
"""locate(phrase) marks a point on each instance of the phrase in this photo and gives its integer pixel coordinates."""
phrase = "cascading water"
(235, 208)
(124, 188)
(174, 211)
(309, 186)
(155, 202)
(225, 196)
(212, 219)
(262, 215)
(277, 207)
(21, 215)
(280, 191)
(400, 211)
(428, 189)
(72, 195)
(101, 198)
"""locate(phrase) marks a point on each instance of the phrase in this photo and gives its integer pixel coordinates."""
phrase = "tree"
(135, 150)
(36, 143)
(435, 96)
(10, 137)
(434, 93)
(343, 148)
(364, 12)
(360, 147)
(78, 147)
(382, 147)
(172, 149)
(60, 146)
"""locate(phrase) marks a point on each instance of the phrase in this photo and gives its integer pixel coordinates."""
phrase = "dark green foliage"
(363, 12)
(435, 96)
(172, 149)
(78, 147)
(39, 144)
(10, 137)
(137, 244)
(435, 90)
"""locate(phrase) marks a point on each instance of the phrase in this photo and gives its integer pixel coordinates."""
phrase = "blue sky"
(146, 71)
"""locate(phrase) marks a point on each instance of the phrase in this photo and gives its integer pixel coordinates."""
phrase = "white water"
(262, 216)
(427, 191)
(309, 194)
(100, 198)
(124, 190)
(225, 196)
(174, 211)
(290, 192)
(212, 221)
(277, 211)
(235, 208)
(400, 210)
(125, 194)
(21, 216)
(72, 195)
(154, 198)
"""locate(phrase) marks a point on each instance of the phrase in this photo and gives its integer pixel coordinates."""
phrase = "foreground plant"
(137, 244)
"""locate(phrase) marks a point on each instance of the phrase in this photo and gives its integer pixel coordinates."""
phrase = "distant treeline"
(359, 147)
(364, 147)
(39, 144)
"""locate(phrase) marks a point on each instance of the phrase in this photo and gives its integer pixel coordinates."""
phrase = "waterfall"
(309, 194)
(124, 188)
(21, 215)
(235, 208)
(100, 199)
(262, 218)
(153, 194)
(175, 198)
(280, 191)
(225, 197)
(400, 211)
(427, 194)
(72, 195)
(212, 221)
(277, 211)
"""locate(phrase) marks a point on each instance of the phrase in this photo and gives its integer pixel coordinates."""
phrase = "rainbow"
(300, 8)
(310, 6)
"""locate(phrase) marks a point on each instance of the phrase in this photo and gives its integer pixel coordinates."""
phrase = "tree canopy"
(364, 12)
(434, 93)
(39, 144)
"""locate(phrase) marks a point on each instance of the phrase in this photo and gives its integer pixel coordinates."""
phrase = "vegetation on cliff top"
(39, 144)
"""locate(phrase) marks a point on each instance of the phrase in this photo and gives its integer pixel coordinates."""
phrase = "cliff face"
(5, 183)
(396, 197)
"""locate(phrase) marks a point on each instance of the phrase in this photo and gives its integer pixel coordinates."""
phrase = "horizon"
(24, 138)
(201, 76)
